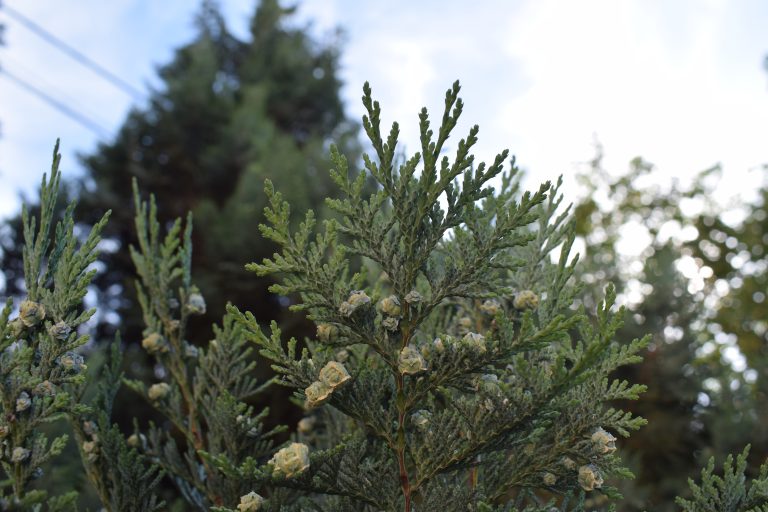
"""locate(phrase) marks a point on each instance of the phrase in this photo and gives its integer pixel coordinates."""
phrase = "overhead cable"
(72, 52)
(76, 116)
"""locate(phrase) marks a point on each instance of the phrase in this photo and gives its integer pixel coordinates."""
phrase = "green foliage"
(452, 368)
(125, 480)
(697, 403)
(203, 397)
(728, 493)
(658, 304)
(229, 112)
(732, 253)
(40, 374)
(472, 381)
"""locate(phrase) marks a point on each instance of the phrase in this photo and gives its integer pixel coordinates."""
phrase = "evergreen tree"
(228, 114)
(471, 384)
(449, 378)
(696, 403)
(734, 259)
(668, 451)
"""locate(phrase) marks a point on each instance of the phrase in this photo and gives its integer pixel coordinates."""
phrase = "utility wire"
(72, 52)
(88, 123)
(52, 89)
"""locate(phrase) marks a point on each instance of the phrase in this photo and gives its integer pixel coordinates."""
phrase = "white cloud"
(614, 68)
(679, 83)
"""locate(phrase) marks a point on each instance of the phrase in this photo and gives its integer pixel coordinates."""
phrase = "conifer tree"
(452, 379)
(228, 112)
(203, 395)
(449, 371)
(41, 375)
(665, 453)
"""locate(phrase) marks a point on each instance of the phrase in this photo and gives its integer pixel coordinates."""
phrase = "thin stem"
(402, 406)
(179, 371)
(400, 451)
(472, 478)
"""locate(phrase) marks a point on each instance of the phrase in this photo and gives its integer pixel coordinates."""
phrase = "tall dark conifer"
(228, 114)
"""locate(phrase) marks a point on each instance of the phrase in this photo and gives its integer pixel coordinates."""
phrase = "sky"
(680, 83)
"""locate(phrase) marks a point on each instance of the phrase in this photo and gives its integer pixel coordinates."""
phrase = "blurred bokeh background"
(655, 113)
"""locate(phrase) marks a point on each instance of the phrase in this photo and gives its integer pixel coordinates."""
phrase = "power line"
(52, 89)
(61, 107)
(72, 52)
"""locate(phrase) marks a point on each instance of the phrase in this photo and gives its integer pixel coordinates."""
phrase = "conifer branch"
(40, 374)
(468, 354)
(225, 440)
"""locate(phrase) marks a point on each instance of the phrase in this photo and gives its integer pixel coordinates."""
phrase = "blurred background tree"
(229, 114)
(732, 250)
(697, 283)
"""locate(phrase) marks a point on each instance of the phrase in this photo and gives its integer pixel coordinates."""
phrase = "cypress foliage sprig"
(40, 372)
(451, 373)
(223, 439)
(731, 492)
(467, 380)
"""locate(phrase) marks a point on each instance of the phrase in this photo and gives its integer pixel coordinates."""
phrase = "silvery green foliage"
(729, 493)
(204, 390)
(40, 372)
(474, 384)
